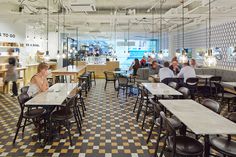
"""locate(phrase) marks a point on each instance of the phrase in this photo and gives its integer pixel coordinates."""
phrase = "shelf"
(10, 47)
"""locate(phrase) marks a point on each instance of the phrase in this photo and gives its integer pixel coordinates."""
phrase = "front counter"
(100, 68)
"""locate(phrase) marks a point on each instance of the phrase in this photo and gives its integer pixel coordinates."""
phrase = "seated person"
(165, 72)
(186, 72)
(175, 67)
(135, 66)
(193, 63)
(149, 60)
(143, 61)
(154, 68)
(38, 82)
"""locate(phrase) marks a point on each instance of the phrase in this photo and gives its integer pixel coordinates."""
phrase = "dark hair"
(42, 66)
(186, 64)
(166, 64)
(136, 63)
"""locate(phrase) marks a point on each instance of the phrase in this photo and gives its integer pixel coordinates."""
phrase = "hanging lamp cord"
(47, 23)
(183, 21)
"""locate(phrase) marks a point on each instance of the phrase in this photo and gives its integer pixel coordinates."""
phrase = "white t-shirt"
(165, 73)
(187, 72)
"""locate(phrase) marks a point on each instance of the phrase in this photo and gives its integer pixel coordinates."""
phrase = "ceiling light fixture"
(47, 57)
(209, 59)
(183, 58)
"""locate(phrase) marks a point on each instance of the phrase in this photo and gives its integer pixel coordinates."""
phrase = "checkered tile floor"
(109, 130)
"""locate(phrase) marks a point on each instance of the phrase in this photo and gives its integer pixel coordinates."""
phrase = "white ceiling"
(118, 15)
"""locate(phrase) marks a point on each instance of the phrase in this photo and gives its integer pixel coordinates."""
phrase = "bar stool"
(93, 77)
(88, 76)
(83, 84)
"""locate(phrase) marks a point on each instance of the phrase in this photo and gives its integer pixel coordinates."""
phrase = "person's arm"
(42, 84)
(181, 73)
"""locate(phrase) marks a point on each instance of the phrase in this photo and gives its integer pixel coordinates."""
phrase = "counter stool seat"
(93, 77)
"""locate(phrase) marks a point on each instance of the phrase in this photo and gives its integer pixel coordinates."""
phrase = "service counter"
(99, 68)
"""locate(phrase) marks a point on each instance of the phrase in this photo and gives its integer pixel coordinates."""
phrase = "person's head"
(186, 64)
(136, 61)
(10, 51)
(144, 57)
(193, 62)
(175, 63)
(166, 64)
(174, 59)
(43, 69)
(154, 64)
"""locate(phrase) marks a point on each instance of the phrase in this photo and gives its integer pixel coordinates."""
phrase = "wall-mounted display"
(217, 52)
(200, 52)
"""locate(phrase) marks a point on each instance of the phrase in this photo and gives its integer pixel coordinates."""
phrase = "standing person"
(38, 82)
(11, 74)
(135, 66)
(186, 72)
(175, 67)
(165, 72)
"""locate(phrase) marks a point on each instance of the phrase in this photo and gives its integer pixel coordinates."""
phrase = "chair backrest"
(122, 80)
(218, 87)
(173, 85)
(24, 89)
(232, 117)
(156, 108)
(212, 105)
(185, 91)
(215, 79)
(71, 103)
(168, 80)
(109, 75)
(22, 99)
(192, 81)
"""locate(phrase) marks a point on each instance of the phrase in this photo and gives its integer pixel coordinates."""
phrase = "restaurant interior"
(118, 78)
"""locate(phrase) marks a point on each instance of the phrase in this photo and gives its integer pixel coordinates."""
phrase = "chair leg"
(139, 109)
(145, 114)
(77, 121)
(118, 91)
(18, 128)
(158, 141)
(136, 104)
(150, 133)
(163, 149)
(105, 85)
(67, 125)
(23, 129)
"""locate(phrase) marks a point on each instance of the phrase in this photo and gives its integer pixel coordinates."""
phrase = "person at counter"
(11, 74)
(135, 66)
(38, 82)
(186, 72)
(165, 72)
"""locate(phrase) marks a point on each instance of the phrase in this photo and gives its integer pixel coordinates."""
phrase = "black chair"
(117, 69)
(109, 77)
(185, 91)
(179, 145)
(80, 102)
(156, 122)
(62, 117)
(221, 94)
(30, 116)
(123, 84)
(192, 85)
(212, 105)
(225, 144)
(24, 89)
(212, 81)
(139, 96)
(173, 85)
(169, 79)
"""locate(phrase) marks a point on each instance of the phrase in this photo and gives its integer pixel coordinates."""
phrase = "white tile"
(97, 135)
(118, 135)
(134, 155)
(95, 147)
(30, 154)
(4, 154)
(131, 141)
(144, 147)
(82, 155)
(85, 141)
(120, 147)
(108, 155)
(108, 141)
(55, 154)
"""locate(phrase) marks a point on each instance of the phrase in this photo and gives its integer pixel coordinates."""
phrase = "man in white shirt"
(186, 72)
(165, 72)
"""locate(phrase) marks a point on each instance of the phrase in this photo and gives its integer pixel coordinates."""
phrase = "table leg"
(53, 79)
(206, 146)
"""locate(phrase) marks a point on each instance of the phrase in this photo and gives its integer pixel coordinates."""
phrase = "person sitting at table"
(135, 66)
(175, 67)
(149, 60)
(154, 68)
(186, 72)
(143, 61)
(165, 72)
(38, 82)
(193, 63)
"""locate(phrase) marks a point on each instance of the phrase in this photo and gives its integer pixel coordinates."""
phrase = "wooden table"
(199, 119)
(3, 73)
(55, 95)
(72, 71)
(160, 89)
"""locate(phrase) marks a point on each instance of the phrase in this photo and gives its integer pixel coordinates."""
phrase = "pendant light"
(64, 21)
(209, 59)
(58, 32)
(47, 57)
(183, 58)
(160, 54)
